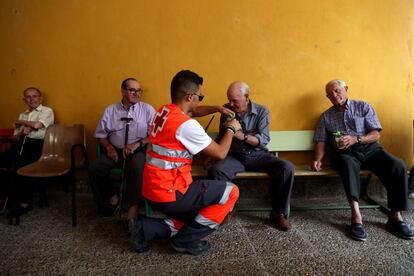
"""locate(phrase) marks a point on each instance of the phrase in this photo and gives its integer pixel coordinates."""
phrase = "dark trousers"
(200, 194)
(390, 170)
(103, 186)
(12, 161)
(281, 172)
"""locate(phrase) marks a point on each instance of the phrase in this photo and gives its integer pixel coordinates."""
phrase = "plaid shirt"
(358, 119)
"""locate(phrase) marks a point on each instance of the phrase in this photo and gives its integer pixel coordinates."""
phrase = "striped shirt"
(358, 119)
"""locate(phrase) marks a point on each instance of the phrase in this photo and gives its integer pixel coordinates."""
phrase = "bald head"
(238, 87)
(238, 96)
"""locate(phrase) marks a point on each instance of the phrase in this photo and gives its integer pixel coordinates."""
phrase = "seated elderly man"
(28, 136)
(352, 129)
(248, 152)
(111, 135)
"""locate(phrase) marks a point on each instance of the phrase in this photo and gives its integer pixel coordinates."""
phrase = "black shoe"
(194, 248)
(137, 236)
(401, 229)
(358, 232)
(19, 211)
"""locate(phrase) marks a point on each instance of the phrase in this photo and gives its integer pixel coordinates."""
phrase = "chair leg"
(73, 187)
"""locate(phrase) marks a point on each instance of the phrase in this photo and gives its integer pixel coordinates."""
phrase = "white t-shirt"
(192, 135)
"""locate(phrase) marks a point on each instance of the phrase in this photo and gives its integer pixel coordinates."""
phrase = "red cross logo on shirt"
(159, 121)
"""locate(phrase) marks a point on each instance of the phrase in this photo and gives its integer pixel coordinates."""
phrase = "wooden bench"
(281, 142)
(293, 141)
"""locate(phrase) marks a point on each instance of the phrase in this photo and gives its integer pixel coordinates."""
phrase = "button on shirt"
(112, 128)
(42, 114)
(255, 123)
(358, 119)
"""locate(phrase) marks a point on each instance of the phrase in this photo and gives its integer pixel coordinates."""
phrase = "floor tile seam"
(257, 260)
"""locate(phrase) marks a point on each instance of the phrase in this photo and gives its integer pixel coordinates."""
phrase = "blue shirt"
(358, 119)
(255, 123)
(112, 128)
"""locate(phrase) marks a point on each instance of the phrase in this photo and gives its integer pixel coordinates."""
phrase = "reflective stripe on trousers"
(174, 225)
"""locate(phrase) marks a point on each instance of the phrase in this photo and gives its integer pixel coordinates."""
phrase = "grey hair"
(244, 88)
(337, 81)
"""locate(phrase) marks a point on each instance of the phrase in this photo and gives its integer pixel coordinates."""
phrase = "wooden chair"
(60, 157)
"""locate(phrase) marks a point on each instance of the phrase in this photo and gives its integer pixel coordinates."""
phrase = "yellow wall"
(78, 52)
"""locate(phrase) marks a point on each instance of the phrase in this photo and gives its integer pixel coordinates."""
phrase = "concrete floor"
(319, 244)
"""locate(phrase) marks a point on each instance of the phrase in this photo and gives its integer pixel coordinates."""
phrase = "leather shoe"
(280, 221)
(401, 229)
(137, 236)
(193, 248)
(358, 232)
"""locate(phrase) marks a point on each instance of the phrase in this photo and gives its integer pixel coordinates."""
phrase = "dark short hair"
(32, 88)
(124, 84)
(183, 82)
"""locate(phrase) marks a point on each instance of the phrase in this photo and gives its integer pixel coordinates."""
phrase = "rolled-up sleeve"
(321, 135)
(101, 129)
(263, 123)
(46, 117)
(371, 119)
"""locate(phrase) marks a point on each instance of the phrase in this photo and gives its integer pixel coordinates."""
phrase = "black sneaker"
(137, 236)
(194, 248)
(401, 229)
(358, 232)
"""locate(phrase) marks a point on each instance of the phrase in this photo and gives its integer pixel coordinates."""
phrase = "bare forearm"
(319, 151)
(371, 137)
(247, 138)
(105, 144)
(32, 124)
(204, 110)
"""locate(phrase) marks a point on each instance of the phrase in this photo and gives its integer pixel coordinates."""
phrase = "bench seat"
(199, 171)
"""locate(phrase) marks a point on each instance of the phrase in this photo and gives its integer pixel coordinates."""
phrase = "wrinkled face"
(337, 94)
(32, 98)
(132, 93)
(239, 102)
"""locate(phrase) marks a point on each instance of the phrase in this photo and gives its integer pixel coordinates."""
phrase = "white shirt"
(42, 114)
(192, 135)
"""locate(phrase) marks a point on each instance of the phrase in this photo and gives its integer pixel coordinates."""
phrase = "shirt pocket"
(358, 125)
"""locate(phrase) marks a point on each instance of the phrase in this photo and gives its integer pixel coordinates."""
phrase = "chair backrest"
(59, 140)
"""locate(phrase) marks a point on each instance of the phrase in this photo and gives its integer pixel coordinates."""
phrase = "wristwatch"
(359, 139)
(245, 138)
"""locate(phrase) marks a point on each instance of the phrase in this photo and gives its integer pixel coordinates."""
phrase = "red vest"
(168, 165)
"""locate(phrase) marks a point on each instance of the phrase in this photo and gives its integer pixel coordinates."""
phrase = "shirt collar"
(347, 104)
(121, 105)
(37, 109)
(253, 108)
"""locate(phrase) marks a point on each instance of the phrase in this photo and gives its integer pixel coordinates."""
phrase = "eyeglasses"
(133, 90)
(200, 97)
